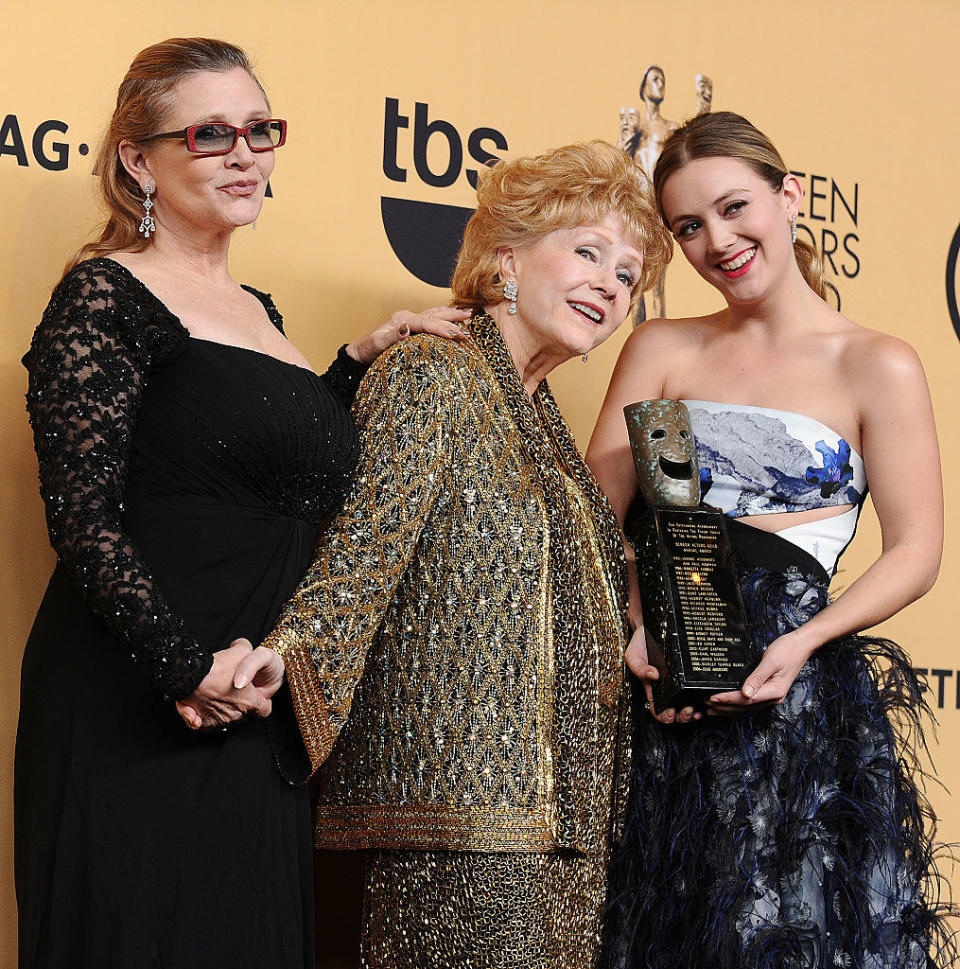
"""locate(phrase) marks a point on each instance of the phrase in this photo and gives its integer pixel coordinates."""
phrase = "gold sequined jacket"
(455, 650)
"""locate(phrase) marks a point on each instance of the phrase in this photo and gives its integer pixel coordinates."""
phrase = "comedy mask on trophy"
(692, 609)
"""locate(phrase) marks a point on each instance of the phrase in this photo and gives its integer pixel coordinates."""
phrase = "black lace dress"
(184, 483)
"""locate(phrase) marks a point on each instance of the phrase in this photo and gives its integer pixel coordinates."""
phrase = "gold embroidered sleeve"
(404, 411)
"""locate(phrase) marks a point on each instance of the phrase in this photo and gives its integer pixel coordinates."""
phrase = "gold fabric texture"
(443, 909)
(455, 651)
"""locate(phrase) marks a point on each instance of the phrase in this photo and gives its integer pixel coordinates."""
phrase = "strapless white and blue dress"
(795, 836)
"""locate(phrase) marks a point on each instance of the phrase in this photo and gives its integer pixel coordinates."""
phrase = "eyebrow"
(219, 116)
(607, 241)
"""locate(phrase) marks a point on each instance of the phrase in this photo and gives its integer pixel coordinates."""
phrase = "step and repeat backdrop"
(392, 111)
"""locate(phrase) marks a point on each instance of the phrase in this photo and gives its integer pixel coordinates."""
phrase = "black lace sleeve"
(343, 376)
(87, 364)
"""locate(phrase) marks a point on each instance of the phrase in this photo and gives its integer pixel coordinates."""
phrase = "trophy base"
(691, 696)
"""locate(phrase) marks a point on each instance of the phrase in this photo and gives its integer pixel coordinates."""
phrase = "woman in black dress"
(187, 456)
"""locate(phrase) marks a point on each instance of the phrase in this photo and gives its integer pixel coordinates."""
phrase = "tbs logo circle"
(426, 236)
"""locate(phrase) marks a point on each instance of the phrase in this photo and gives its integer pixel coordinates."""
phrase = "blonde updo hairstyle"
(728, 135)
(521, 200)
(144, 100)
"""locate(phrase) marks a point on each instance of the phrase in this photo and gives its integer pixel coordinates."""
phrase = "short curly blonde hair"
(521, 200)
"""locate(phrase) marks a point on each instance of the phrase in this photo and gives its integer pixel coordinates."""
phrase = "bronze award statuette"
(692, 609)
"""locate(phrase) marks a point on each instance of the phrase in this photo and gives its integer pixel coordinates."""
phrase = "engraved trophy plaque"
(692, 608)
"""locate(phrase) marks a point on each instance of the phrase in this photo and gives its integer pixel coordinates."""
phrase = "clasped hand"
(766, 686)
(240, 683)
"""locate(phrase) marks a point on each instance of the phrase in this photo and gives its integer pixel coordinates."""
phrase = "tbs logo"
(426, 236)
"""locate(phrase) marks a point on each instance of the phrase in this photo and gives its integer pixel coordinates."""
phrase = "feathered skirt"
(793, 837)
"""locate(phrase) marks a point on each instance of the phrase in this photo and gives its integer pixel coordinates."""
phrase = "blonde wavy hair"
(521, 200)
(145, 98)
(728, 135)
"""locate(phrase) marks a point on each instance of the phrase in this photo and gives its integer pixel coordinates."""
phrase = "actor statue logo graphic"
(642, 136)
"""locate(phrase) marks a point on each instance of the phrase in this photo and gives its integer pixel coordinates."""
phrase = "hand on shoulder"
(443, 321)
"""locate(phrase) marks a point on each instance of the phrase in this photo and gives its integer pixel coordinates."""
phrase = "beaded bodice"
(147, 437)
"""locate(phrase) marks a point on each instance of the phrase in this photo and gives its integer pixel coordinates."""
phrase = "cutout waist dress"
(762, 461)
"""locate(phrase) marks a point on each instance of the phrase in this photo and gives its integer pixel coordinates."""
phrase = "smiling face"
(732, 226)
(574, 285)
(664, 452)
(704, 91)
(208, 193)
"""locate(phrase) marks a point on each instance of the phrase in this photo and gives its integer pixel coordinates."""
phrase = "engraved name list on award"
(693, 612)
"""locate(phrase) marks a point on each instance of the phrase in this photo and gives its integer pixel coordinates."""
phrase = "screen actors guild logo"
(642, 136)
(48, 153)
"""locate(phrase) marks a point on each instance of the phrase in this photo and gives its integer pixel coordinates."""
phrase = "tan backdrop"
(852, 92)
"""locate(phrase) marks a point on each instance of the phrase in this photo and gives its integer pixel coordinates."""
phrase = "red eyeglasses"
(219, 138)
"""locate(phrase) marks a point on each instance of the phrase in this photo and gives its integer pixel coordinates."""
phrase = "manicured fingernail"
(240, 682)
(748, 690)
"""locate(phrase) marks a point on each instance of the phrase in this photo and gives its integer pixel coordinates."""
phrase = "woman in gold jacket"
(455, 651)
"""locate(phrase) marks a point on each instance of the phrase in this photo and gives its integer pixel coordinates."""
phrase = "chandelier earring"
(147, 225)
(793, 230)
(510, 294)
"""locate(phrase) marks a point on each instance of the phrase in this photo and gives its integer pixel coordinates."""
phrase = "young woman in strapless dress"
(783, 826)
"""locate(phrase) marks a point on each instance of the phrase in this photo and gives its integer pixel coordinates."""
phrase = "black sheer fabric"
(185, 482)
(100, 338)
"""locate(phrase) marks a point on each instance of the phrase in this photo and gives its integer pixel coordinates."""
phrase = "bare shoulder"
(879, 360)
(885, 377)
(651, 354)
(679, 335)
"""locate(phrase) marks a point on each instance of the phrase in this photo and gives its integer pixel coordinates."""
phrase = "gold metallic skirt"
(454, 910)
